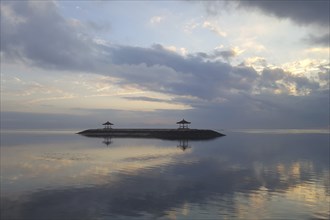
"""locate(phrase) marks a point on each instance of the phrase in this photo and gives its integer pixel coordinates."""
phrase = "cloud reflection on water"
(63, 165)
(152, 178)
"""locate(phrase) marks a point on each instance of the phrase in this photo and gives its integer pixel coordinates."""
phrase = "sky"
(219, 64)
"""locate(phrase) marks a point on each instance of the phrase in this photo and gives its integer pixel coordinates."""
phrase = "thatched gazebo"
(107, 125)
(183, 124)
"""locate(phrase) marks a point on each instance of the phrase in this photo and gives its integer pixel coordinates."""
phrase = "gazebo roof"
(183, 122)
(107, 123)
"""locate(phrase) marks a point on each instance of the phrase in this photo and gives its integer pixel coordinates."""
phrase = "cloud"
(41, 36)
(214, 28)
(156, 19)
(180, 75)
(256, 62)
(37, 34)
(300, 11)
(225, 55)
(213, 87)
(216, 7)
(278, 81)
(322, 40)
(206, 24)
(306, 13)
(266, 110)
(147, 99)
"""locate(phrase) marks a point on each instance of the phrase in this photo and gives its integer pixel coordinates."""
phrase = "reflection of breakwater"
(167, 134)
(183, 144)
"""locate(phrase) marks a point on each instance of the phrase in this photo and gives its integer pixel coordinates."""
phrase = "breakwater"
(170, 134)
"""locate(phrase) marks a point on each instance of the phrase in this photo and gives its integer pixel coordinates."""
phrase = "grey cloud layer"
(172, 73)
(300, 11)
(303, 12)
(158, 69)
(323, 40)
(36, 33)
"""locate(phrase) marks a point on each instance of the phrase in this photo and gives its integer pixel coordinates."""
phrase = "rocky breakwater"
(170, 134)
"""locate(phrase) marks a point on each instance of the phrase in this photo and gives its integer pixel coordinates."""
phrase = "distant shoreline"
(172, 134)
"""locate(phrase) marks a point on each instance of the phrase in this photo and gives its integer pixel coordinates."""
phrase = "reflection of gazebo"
(183, 144)
(183, 124)
(107, 125)
(107, 141)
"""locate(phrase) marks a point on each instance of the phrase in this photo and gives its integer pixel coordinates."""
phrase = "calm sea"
(248, 174)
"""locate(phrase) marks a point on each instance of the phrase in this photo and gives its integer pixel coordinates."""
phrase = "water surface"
(247, 175)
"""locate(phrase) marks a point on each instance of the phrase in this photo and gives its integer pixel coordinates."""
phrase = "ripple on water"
(53, 156)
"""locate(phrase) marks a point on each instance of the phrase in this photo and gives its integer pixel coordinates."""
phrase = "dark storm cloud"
(300, 11)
